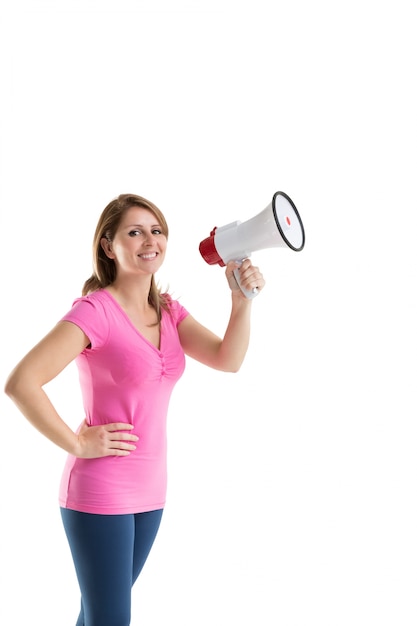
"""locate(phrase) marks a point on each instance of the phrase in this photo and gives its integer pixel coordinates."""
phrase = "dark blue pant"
(109, 552)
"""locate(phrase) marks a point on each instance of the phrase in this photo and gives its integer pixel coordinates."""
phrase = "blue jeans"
(109, 552)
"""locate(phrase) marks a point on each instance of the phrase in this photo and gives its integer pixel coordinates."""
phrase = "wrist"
(240, 301)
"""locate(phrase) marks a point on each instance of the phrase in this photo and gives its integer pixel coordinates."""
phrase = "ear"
(106, 245)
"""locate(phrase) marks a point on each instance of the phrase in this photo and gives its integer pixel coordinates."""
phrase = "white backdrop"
(292, 488)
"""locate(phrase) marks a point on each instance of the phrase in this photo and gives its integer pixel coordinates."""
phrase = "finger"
(121, 441)
(231, 267)
(120, 436)
(122, 446)
(116, 452)
(245, 265)
(119, 426)
(251, 274)
(253, 280)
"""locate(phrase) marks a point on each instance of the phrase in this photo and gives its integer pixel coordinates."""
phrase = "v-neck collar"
(131, 324)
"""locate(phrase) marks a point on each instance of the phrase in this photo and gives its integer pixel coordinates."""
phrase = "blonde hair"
(104, 269)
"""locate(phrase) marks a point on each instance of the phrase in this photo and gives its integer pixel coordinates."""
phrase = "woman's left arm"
(225, 354)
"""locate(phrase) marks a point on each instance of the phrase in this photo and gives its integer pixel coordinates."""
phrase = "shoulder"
(92, 303)
(94, 298)
(90, 314)
(177, 311)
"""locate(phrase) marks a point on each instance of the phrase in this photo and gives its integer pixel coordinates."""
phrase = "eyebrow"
(141, 226)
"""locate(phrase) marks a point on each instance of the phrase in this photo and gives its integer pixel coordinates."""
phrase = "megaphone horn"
(278, 225)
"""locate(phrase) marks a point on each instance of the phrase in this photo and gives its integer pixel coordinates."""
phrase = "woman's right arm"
(25, 387)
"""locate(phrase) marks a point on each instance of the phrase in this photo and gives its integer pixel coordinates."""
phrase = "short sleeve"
(178, 312)
(89, 314)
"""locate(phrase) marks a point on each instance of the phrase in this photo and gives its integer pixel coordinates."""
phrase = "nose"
(149, 238)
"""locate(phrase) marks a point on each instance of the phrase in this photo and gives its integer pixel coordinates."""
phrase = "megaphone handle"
(249, 294)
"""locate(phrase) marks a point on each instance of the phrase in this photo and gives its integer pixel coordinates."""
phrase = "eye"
(136, 231)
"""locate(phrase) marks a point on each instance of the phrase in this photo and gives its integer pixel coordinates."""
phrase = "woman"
(129, 341)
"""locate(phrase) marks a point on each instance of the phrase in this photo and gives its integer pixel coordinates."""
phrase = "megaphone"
(277, 226)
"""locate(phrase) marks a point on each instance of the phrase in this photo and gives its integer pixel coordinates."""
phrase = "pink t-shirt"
(123, 378)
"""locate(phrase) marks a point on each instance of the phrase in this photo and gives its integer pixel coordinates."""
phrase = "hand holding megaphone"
(240, 273)
(279, 225)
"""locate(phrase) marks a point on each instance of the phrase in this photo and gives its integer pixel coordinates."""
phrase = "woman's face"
(139, 245)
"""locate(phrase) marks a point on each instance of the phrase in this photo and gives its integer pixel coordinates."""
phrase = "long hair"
(104, 269)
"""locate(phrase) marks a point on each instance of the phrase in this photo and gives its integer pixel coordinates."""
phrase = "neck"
(131, 293)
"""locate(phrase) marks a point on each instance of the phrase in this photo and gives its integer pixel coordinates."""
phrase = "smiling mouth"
(149, 255)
